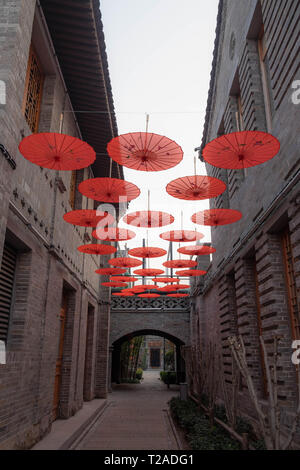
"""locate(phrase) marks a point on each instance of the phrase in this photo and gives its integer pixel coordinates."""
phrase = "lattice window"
(72, 195)
(33, 91)
(260, 332)
(7, 281)
(291, 283)
(264, 67)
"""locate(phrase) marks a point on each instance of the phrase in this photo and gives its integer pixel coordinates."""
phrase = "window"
(239, 115)
(264, 67)
(72, 196)
(7, 280)
(33, 91)
(290, 284)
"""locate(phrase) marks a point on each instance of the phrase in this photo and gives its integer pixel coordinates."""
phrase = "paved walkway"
(135, 419)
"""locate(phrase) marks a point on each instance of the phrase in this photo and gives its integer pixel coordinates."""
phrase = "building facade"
(54, 316)
(253, 282)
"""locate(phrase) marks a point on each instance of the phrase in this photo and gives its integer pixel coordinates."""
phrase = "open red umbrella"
(148, 219)
(165, 280)
(190, 273)
(195, 187)
(174, 287)
(109, 190)
(124, 279)
(145, 151)
(148, 295)
(148, 272)
(114, 284)
(110, 271)
(95, 249)
(113, 234)
(215, 217)
(57, 151)
(178, 295)
(89, 218)
(146, 286)
(196, 250)
(181, 236)
(147, 252)
(241, 149)
(137, 289)
(180, 263)
(125, 262)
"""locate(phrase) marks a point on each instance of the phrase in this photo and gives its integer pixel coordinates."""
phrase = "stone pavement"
(136, 418)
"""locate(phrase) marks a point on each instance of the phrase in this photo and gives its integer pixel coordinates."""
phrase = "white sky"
(160, 56)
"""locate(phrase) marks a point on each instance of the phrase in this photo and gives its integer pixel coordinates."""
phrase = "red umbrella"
(89, 218)
(114, 284)
(190, 272)
(123, 279)
(148, 219)
(146, 286)
(148, 272)
(215, 217)
(177, 295)
(181, 236)
(180, 263)
(137, 289)
(241, 149)
(109, 190)
(95, 249)
(125, 262)
(123, 294)
(174, 288)
(57, 151)
(196, 250)
(145, 151)
(165, 280)
(195, 187)
(110, 271)
(113, 234)
(147, 252)
(149, 296)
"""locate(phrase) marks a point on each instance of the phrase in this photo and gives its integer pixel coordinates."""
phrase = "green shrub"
(168, 377)
(139, 373)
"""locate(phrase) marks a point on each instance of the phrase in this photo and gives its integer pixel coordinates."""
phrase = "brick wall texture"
(48, 263)
(246, 289)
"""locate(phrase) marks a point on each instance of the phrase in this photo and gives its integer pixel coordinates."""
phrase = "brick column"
(103, 327)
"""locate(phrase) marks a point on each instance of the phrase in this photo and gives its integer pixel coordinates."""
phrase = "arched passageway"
(116, 352)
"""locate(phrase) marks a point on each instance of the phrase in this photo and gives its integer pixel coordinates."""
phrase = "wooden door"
(59, 360)
(155, 357)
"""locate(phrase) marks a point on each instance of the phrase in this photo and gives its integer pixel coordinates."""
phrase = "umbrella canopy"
(241, 149)
(181, 236)
(174, 287)
(89, 218)
(125, 262)
(165, 280)
(148, 295)
(113, 234)
(109, 190)
(57, 151)
(147, 252)
(197, 250)
(195, 187)
(146, 286)
(180, 263)
(191, 272)
(215, 217)
(148, 272)
(137, 289)
(145, 151)
(177, 295)
(123, 294)
(110, 271)
(148, 219)
(114, 284)
(95, 249)
(124, 279)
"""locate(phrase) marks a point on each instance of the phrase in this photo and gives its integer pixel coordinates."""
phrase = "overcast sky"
(160, 57)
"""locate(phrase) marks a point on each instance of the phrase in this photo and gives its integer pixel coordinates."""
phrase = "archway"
(116, 350)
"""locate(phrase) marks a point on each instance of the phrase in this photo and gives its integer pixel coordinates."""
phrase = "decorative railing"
(161, 303)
